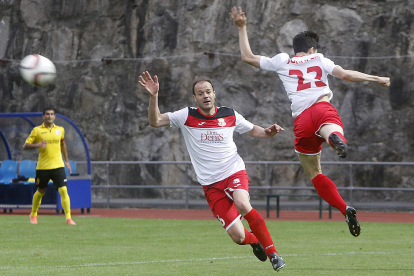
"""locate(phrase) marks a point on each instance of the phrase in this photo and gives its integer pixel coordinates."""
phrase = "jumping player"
(305, 78)
(208, 134)
(50, 140)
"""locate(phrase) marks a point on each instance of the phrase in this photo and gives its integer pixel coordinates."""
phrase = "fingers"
(146, 77)
(236, 13)
(142, 81)
(275, 128)
(279, 127)
(233, 12)
(241, 13)
(146, 81)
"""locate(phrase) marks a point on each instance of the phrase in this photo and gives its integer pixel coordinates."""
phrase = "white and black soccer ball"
(37, 70)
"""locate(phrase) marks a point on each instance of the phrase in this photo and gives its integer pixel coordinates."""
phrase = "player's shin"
(249, 238)
(65, 200)
(328, 191)
(37, 200)
(259, 229)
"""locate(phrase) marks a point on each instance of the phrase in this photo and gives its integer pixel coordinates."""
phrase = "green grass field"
(115, 246)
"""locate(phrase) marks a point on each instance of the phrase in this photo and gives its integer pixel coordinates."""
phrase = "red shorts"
(219, 196)
(308, 124)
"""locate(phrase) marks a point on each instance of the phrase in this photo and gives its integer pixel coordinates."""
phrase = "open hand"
(273, 130)
(146, 81)
(238, 16)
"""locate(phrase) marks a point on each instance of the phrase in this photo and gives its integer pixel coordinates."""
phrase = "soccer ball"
(37, 70)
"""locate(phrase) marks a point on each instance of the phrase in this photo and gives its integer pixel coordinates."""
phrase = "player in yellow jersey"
(50, 140)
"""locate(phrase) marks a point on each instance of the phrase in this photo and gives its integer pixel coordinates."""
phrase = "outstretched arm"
(156, 119)
(239, 18)
(259, 132)
(356, 76)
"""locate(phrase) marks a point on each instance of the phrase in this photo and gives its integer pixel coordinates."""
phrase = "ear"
(311, 51)
(194, 98)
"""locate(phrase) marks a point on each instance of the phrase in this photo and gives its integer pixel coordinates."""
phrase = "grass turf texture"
(114, 246)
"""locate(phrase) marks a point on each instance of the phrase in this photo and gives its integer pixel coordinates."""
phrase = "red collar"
(215, 112)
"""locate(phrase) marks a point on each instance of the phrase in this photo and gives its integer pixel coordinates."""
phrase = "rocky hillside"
(101, 47)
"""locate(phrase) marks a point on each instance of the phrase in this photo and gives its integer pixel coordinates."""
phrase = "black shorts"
(58, 176)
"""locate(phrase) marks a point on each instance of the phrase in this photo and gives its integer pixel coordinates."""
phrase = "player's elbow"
(155, 124)
(247, 59)
(252, 60)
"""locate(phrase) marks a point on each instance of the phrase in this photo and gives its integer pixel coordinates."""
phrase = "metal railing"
(267, 187)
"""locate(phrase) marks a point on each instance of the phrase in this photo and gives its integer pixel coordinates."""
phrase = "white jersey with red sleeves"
(209, 141)
(305, 78)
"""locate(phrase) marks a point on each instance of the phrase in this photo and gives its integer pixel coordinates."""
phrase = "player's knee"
(311, 173)
(63, 192)
(237, 238)
(243, 207)
(236, 232)
(314, 174)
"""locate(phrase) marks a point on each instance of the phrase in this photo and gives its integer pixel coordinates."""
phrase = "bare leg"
(242, 202)
(327, 130)
(236, 232)
(311, 164)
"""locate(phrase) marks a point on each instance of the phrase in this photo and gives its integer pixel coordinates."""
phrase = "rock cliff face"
(168, 38)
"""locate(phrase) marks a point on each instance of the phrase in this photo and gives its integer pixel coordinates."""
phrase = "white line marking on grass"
(122, 263)
(191, 260)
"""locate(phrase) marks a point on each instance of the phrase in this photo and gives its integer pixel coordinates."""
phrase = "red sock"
(328, 192)
(259, 229)
(340, 136)
(249, 238)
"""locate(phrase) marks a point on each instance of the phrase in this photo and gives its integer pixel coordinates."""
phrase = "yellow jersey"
(51, 156)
